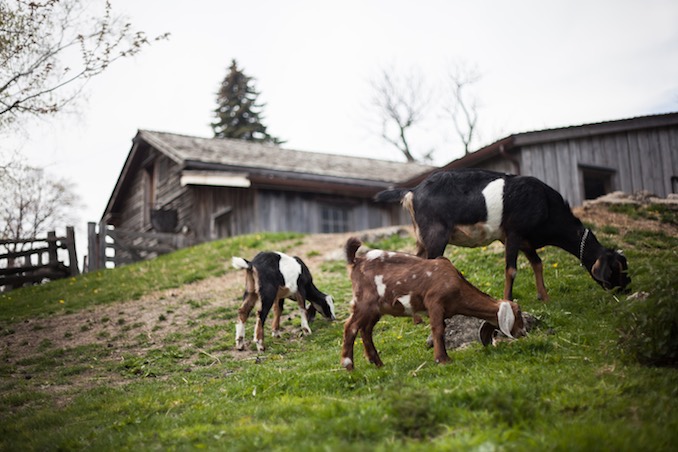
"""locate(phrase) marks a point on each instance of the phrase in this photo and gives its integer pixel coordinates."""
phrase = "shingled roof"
(257, 165)
(258, 158)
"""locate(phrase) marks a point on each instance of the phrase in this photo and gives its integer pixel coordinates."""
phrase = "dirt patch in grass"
(134, 327)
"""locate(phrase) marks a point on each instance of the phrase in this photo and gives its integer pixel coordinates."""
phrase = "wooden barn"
(212, 188)
(587, 161)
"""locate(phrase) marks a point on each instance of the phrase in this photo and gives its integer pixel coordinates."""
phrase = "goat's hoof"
(240, 345)
(276, 333)
(443, 361)
(347, 363)
(305, 331)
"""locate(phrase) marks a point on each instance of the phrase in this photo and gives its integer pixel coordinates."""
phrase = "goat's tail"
(352, 246)
(240, 263)
(392, 195)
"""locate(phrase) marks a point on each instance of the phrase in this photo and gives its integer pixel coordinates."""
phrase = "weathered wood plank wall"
(640, 160)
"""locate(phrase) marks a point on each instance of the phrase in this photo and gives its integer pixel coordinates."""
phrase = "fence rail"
(20, 265)
(127, 246)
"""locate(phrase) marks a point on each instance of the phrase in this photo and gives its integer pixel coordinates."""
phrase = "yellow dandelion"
(555, 265)
(62, 301)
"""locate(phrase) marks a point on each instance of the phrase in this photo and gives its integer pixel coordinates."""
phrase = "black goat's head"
(611, 271)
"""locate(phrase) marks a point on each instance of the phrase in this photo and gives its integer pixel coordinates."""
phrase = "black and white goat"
(399, 284)
(474, 207)
(272, 277)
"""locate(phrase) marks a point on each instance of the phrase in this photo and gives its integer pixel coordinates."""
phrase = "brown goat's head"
(509, 321)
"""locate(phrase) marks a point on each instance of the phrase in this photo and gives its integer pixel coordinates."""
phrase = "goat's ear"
(486, 333)
(506, 318)
(601, 271)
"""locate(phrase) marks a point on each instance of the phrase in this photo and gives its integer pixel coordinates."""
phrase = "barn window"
(674, 184)
(334, 219)
(597, 181)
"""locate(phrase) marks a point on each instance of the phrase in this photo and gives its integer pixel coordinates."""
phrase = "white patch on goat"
(290, 270)
(406, 301)
(374, 254)
(304, 323)
(494, 202)
(429, 274)
(346, 362)
(239, 330)
(381, 287)
(239, 262)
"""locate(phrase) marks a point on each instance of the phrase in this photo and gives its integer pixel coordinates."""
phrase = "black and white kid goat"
(474, 207)
(272, 277)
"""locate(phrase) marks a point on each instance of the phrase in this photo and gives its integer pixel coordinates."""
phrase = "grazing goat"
(401, 284)
(272, 277)
(474, 207)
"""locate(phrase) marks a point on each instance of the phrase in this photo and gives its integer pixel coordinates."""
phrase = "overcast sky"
(544, 64)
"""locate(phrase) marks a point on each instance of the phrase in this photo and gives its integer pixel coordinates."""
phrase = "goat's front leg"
(538, 269)
(511, 249)
(437, 322)
(366, 334)
(301, 301)
(249, 300)
(267, 301)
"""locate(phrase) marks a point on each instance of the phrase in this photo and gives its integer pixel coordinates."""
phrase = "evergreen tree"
(238, 114)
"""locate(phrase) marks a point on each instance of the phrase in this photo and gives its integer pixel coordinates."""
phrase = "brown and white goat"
(474, 207)
(272, 277)
(400, 284)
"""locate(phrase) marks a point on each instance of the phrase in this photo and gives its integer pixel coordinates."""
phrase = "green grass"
(576, 383)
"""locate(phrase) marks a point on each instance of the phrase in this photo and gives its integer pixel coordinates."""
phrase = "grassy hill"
(142, 357)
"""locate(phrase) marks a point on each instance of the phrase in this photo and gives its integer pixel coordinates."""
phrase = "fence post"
(103, 232)
(92, 248)
(72, 253)
(52, 249)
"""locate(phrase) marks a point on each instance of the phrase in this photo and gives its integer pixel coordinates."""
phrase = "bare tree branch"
(463, 109)
(49, 49)
(401, 102)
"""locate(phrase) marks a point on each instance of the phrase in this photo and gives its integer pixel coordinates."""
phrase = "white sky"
(543, 63)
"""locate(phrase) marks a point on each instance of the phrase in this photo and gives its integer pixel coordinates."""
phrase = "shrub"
(649, 328)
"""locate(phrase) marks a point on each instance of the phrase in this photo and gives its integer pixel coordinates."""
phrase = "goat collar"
(582, 245)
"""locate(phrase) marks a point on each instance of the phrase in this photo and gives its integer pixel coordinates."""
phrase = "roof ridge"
(280, 148)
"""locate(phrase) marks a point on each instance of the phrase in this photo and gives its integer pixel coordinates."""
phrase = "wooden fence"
(32, 260)
(121, 246)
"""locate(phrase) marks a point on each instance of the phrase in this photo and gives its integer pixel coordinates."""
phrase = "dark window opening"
(674, 184)
(150, 191)
(333, 219)
(597, 182)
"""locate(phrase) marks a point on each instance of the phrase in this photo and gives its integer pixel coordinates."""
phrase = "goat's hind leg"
(434, 239)
(538, 269)
(249, 300)
(277, 313)
(350, 333)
